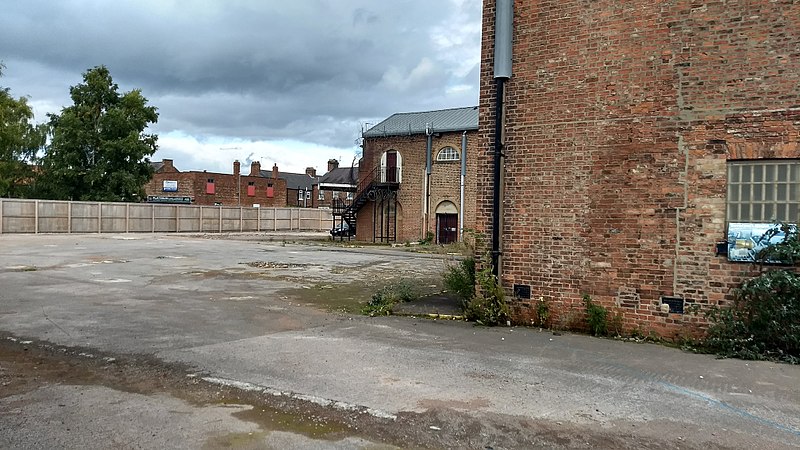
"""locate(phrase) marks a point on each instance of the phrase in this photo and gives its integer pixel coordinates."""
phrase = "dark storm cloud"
(307, 70)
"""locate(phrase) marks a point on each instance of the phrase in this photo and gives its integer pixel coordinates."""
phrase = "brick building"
(416, 177)
(338, 183)
(301, 188)
(636, 135)
(169, 185)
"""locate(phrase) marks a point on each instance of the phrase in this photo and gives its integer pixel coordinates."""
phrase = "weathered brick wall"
(193, 184)
(621, 117)
(445, 182)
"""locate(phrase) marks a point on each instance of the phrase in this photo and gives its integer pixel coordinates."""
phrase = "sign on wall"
(745, 240)
(170, 186)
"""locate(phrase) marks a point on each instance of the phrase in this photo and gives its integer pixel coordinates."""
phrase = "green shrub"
(543, 313)
(596, 316)
(383, 301)
(460, 279)
(764, 320)
(488, 307)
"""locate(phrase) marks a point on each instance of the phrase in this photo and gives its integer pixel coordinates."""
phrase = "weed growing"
(384, 300)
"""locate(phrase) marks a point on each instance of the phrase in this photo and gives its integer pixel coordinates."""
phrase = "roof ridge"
(434, 110)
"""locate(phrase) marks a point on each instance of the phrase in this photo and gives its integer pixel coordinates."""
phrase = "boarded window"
(251, 189)
(270, 191)
(210, 186)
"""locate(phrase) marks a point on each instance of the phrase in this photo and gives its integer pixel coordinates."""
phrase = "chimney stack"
(167, 166)
(332, 164)
(255, 169)
(275, 171)
(312, 172)
(236, 168)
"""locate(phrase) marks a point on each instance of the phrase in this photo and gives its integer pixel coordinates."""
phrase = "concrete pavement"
(235, 312)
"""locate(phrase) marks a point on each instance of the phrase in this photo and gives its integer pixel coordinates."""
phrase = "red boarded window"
(251, 189)
(210, 186)
(270, 191)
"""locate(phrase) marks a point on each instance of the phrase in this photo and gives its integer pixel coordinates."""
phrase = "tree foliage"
(20, 140)
(764, 320)
(99, 149)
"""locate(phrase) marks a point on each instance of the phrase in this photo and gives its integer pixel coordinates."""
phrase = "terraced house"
(634, 151)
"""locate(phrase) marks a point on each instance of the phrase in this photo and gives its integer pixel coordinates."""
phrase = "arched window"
(447, 154)
(391, 167)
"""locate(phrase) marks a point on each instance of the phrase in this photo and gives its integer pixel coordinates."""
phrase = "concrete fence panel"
(49, 216)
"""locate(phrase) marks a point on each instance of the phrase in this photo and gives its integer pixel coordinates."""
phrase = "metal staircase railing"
(375, 179)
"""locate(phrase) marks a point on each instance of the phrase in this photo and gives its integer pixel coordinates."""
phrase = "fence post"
(127, 218)
(177, 218)
(220, 220)
(153, 211)
(258, 220)
(99, 217)
(36, 217)
(274, 219)
(241, 219)
(1, 215)
(69, 218)
(201, 219)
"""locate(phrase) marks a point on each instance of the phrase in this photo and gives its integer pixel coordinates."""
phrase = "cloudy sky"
(286, 82)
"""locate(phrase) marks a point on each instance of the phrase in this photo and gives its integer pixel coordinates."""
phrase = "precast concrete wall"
(49, 216)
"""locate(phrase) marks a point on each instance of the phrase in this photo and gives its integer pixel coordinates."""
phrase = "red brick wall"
(193, 184)
(445, 182)
(621, 117)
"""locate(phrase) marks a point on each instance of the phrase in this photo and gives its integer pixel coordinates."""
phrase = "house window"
(270, 191)
(349, 195)
(447, 154)
(210, 186)
(300, 194)
(251, 189)
(321, 195)
(308, 195)
(764, 191)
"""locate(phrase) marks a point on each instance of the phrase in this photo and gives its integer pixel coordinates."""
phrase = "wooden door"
(447, 228)
(391, 167)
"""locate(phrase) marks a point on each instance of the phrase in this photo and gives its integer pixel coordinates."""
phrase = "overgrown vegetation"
(596, 317)
(460, 279)
(385, 299)
(543, 313)
(428, 239)
(764, 320)
(488, 306)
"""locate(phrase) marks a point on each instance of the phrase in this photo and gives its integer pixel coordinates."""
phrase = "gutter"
(503, 39)
(428, 164)
(463, 184)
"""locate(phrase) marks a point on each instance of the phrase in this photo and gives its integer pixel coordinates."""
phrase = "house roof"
(156, 165)
(443, 120)
(341, 175)
(293, 180)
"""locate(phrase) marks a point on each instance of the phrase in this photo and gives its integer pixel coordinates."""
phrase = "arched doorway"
(391, 167)
(446, 223)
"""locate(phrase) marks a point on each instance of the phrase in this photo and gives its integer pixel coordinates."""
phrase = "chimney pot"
(275, 171)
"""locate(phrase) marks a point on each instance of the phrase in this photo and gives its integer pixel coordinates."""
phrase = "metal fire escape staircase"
(374, 187)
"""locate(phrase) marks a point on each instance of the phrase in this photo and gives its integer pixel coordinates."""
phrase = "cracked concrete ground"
(262, 320)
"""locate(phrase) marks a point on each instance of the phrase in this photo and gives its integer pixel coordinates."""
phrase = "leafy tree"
(99, 149)
(19, 142)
